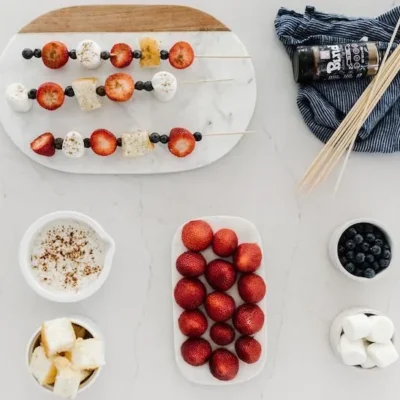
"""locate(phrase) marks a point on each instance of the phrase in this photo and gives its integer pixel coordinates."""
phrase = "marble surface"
(258, 181)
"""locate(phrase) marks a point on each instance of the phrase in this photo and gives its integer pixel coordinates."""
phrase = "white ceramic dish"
(84, 322)
(334, 241)
(208, 107)
(246, 233)
(25, 251)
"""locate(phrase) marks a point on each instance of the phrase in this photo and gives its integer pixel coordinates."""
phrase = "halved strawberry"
(181, 55)
(44, 145)
(121, 55)
(181, 142)
(119, 87)
(50, 96)
(103, 142)
(55, 55)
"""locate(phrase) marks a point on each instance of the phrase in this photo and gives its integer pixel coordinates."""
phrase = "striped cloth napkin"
(323, 105)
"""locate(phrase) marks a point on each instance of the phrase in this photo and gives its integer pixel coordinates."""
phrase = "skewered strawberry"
(181, 142)
(50, 96)
(119, 87)
(44, 145)
(181, 55)
(121, 55)
(103, 142)
(55, 55)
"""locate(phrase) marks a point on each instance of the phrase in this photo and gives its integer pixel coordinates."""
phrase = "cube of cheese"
(67, 383)
(87, 354)
(136, 144)
(85, 93)
(58, 336)
(150, 53)
(42, 368)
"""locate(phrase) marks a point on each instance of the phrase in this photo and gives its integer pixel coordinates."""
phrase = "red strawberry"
(196, 352)
(224, 365)
(191, 264)
(252, 288)
(220, 306)
(248, 319)
(103, 142)
(248, 257)
(225, 242)
(181, 55)
(44, 145)
(222, 334)
(121, 55)
(50, 96)
(220, 275)
(119, 87)
(197, 235)
(248, 349)
(193, 323)
(181, 142)
(190, 293)
(55, 55)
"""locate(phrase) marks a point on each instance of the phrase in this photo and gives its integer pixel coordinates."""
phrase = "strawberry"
(224, 365)
(181, 55)
(119, 87)
(225, 243)
(103, 142)
(197, 235)
(196, 352)
(191, 264)
(220, 275)
(222, 334)
(50, 96)
(121, 55)
(44, 145)
(181, 142)
(193, 323)
(248, 349)
(248, 257)
(190, 293)
(55, 55)
(248, 319)
(252, 288)
(220, 306)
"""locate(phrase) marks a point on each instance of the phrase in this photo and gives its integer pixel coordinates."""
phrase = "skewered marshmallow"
(73, 145)
(87, 354)
(85, 93)
(57, 336)
(357, 326)
(88, 53)
(382, 329)
(352, 351)
(165, 86)
(42, 368)
(17, 98)
(136, 144)
(382, 354)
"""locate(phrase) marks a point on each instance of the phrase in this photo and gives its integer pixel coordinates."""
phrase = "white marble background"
(257, 180)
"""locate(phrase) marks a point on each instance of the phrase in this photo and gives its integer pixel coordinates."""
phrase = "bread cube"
(58, 336)
(42, 368)
(136, 144)
(88, 354)
(67, 383)
(150, 53)
(85, 93)
(65, 362)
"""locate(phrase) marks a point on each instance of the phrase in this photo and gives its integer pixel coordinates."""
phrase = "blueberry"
(359, 273)
(368, 228)
(358, 239)
(350, 267)
(386, 246)
(387, 255)
(58, 143)
(350, 255)
(359, 228)
(370, 258)
(72, 54)
(119, 142)
(37, 53)
(148, 86)
(384, 263)
(369, 273)
(69, 91)
(379, 234)
(105, 55)
(164, 139)
(32, 94)
(350, 245)
(365, 265)
(364, 247)
(376, 266)
(86, 142)
(139, 85)
(360, 258)
(197, 136)
(370, 238)
(101, 91)
(376, 250)
(154, 137)
(341, 249)
(379, 242)
(351, 232)
(164, 54)
(137, 54)
(27, 54)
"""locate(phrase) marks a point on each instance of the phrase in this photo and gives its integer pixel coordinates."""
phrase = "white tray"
(246, 232)
(207, 107)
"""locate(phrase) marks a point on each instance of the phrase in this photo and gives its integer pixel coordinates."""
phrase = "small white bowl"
(337, 331)
(334, 242)
(84, 322)
(25, 252)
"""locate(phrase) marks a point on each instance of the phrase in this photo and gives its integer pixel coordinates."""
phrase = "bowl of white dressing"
(66, 256)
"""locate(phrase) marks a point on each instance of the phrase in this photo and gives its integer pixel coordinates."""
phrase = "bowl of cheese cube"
(66, 355)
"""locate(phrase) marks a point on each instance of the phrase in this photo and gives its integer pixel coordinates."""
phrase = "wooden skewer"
(228, 133)
(215, 56)
(206, 81)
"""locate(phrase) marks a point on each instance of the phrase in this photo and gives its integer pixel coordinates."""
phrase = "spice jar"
(333, 62)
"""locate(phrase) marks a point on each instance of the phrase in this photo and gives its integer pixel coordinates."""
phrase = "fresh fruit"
(37, 53)
(248, 257)
(72, 54)
(225, 242)
(190, 293)
(32, 94)
(222, 334)
(248, 349)
(197, 136)
(248, 319)
(101, 91)
(50, 96)
(137, 54)
(119, 87)
(121, 55)
(197, 235)
(154, 137)
(181, 142)
(191, 264)
(69, 91)
(148, 86)
(27, 54)
(58, 143)
(252, 288)
(55, 55)
(193, 323)
(181, 55)
(369, 273)
(139, 85)
(221, 275)
(164, 139)
(164, 54)
(44, 145)
(220, 306)
(105, 55)
(224, 365)
(196, 352)
(103, 142)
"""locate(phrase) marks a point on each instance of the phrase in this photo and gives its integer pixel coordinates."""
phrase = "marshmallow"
(382, 354)
(352, 351)
(382, 329)
(165, 86)
(73, 145)
(136, 144)
(17, 98)
(88, 354)
(67, 383)
(57, 336)
(88, 53)
(42, 368)
(369, 363)
(357, 326)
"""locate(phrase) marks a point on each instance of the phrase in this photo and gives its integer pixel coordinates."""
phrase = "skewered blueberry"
(384, 263)
(350, 245)
(69, 91)
(148, 86)
(119, 142)
(137, 54)
(154, 137)
(32, 94)
(72, 54)
(164, 139)
(376, 250)
(368, 228)
(101, 91)
(370, 258)
(358, 239)
(376, 266)
(105, 55)
(350, 267)
(139, 85)
(341, 249)
(369, 273)
(27, 54)
(197, 136)
(370, 238)
(360, 258)
(387, 254)
(364, 247)
(350, 255)
(37, 53)
(58, 143)
(359, 273)
(86, 142)
(164, 54)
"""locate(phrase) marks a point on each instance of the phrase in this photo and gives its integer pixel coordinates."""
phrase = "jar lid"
(303, 65)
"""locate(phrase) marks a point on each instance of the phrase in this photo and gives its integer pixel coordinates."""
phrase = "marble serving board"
(205, 107)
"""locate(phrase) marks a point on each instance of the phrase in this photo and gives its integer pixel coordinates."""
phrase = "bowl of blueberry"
(362, 249)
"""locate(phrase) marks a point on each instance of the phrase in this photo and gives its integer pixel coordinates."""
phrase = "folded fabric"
(323, 105)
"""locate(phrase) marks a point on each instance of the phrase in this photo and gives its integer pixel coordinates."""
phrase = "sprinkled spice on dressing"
(67, 255)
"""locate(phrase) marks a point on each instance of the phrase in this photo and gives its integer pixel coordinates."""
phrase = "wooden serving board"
(208, 107)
